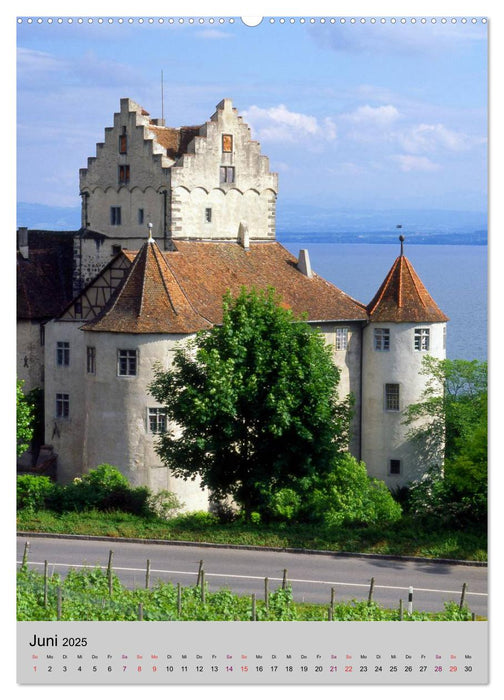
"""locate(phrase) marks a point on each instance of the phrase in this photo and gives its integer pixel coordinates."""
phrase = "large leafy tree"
(255, 403)
(454, 414)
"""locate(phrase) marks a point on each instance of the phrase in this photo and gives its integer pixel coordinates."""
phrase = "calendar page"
(252, 349)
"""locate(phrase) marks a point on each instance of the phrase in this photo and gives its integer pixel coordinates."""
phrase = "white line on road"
(259, 578)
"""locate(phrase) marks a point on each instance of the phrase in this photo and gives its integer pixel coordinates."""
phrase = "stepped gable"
(403, 298)
(206, 270)
(150, 300)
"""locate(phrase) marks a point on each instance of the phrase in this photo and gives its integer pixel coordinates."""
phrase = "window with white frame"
(127, 363)
(382, 339)
(63, 353)
(391, 397)
(422, 338)
(341, 342)
(156, 420)
(62, 405)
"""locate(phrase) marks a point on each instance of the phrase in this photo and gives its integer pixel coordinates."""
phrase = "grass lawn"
(407, 538)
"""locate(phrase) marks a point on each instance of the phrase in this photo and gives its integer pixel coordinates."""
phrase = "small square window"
(115, 216)
(341, 338)
(208, 216)
(157, 420)
(382, 339)
(227, 143)
(78, 308)
(140, 216)
(116, 249)
(91, 359)
(62, 353)
(391, 397)
(227, 174)
(62, 405)
(422, 339)
(395, 466)
(127, 363)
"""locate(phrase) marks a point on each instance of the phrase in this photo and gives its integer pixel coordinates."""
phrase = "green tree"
(24, 419)
(255, 401)
(456, 421)
(454, 402)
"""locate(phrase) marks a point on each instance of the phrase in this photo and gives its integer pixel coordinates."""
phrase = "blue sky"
(352, 115)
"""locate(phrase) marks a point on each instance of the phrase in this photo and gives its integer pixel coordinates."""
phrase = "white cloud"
(410, 163)
(30, 62)
(426, 138)
(373, 116)
(213, 34)
(280, 124)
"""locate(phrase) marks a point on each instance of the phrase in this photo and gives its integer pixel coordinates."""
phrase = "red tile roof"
(402, 297)
(181, 291)
(149, 301)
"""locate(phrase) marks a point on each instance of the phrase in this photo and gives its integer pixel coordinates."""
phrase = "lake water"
(455, 277)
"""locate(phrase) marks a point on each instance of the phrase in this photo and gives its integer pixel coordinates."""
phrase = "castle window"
(208, 215)
(115, 216)
(78, 308)
(42, 334)
(227, 143)
(422, 338)
(391, 397)
(395, 466)
(157, 420)
(90, 359)
(124, 174)
(382, 339)
(126, 363)
(227, 174)
(62, 353)
(116, 249)
(140, 216)
(123, 141)
(62, 405)
(341, 338)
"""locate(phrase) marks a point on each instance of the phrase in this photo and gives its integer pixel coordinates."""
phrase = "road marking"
(258, 578)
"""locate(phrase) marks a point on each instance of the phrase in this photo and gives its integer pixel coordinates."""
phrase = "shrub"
(164, 504)
(348, 495)
(33, 492)
(284, 505)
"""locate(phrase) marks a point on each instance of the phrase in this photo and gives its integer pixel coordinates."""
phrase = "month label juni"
(247, 652)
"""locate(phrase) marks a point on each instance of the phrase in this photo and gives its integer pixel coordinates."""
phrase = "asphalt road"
(243, 571)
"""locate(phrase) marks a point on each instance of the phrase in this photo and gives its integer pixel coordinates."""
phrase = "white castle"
(98, 307)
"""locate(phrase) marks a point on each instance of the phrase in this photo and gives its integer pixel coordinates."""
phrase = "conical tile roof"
(403, 298)
(150, 300)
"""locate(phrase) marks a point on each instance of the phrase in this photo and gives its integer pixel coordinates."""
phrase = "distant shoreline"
(472, 239)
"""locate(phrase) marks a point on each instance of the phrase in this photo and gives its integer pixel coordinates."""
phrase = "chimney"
(304, 264)
(22, 242)
(243, 235)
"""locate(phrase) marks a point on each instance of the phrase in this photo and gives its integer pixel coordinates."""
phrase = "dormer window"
(227, 143)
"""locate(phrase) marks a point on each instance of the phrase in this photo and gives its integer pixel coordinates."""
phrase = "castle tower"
(192, 182)
(405, 326)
